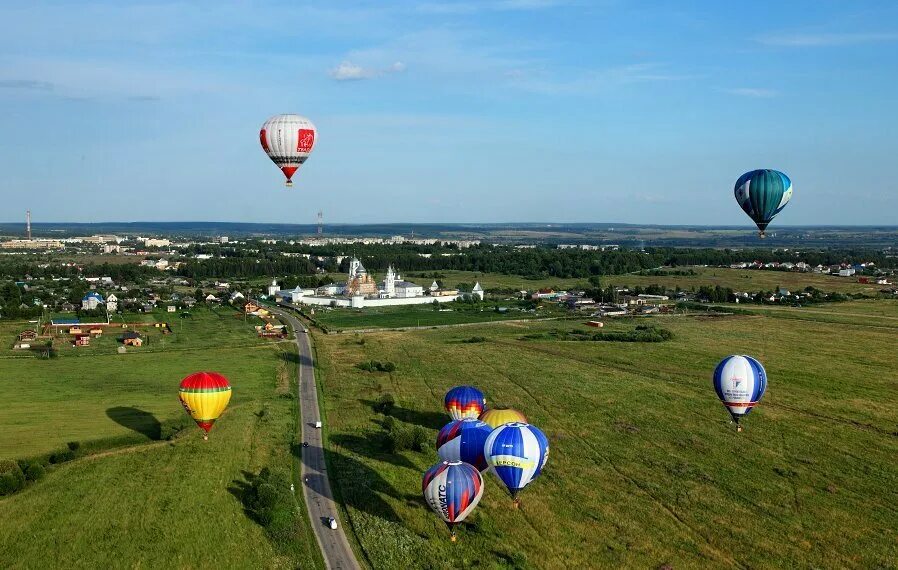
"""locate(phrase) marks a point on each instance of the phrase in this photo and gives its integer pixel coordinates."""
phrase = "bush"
(388, 367)
(74, 445)
(11, 477)
(35, 472)
(420, 440)
(400, 438)
(475, 339)
(62, 456)
(389, 423)
(376, 366)
(385, 403)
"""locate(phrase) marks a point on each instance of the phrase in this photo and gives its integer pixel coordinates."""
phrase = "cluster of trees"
(247, 266)
(16, 475)
(376, 366)
(268, 499)
(11, 301)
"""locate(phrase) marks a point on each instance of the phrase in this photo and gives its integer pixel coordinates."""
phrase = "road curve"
(316, 487)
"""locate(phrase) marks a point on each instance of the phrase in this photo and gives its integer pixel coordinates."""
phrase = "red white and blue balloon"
(463, 440)
(452, 489)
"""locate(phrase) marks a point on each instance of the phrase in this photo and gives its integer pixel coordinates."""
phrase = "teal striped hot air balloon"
(762, 194)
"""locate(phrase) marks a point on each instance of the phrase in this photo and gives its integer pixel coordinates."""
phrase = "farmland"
(645, 468)
(136, 499)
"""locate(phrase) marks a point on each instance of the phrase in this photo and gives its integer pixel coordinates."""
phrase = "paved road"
(316, 486)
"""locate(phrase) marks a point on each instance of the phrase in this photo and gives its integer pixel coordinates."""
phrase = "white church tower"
(390, 283)
(478, 290)
(273, 288)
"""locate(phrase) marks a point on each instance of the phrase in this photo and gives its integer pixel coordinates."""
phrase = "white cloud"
(826, 39)
(756, 92)
(348, 71)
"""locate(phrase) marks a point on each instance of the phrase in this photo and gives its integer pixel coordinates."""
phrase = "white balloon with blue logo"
(740, 382)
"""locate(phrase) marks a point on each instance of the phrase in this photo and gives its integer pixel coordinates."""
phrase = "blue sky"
(438, 111)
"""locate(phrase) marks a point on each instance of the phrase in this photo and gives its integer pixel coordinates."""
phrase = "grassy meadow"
(645, 467)
(424, 315)
(135, 500)
(738, 279)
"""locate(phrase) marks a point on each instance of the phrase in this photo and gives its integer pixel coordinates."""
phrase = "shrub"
(11, 477)
(400, 438)
(389, 423)
(475, 339)
(419, 438)
(74, 445)
(35, 472)
(385, 403)
(62, 456)
(388, 367)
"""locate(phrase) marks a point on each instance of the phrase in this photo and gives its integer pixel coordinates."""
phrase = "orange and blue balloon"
(452, 489)
(464, 402)
(517, 453)
(740, 383)
(462, 440)
(205, 395)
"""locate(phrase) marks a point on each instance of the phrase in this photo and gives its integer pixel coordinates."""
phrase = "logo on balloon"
(305, 140)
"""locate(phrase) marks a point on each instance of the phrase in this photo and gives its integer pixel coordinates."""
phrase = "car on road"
(332, 522)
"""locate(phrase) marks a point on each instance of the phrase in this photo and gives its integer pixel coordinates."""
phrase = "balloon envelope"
(205, 395)
(517, 452)
(462, 440)
(452, 489)
(762, 194)
(288, 141)
(464, 402)
(740, 382)
(495, 417)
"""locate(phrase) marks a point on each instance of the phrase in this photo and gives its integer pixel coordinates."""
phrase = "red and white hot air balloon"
(288, 141)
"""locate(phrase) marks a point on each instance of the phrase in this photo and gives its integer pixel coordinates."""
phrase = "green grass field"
(645, 467)
(148, 503)
(738, 279)
(424, 316)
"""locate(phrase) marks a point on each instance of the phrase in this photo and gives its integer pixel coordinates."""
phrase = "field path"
(316, 486)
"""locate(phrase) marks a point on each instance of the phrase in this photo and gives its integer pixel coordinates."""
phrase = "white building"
(273, 288)
(111, 303)
(153, 242)
(477, 290)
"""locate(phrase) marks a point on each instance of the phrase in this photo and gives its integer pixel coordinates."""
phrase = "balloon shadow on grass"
(373, 446)
(138, 420)
(429, 420)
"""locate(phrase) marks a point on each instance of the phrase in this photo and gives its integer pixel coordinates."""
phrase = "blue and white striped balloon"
(740, 382)
(516, 452)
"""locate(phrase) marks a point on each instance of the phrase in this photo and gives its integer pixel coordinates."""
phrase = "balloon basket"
(762, 235)
(453, 538)
(516, 504)
(739, 428)
(288, 184)
(205, 437)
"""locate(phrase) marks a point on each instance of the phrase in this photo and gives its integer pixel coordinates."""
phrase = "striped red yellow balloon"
(205, 395)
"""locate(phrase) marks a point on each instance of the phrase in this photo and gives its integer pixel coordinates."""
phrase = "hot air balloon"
(517, 452)
(462, 440)
(495, 417)
(205, 395)
(288, 140)
(464, 402)
(452, 489)
(740, 382)
(762, 194)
